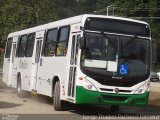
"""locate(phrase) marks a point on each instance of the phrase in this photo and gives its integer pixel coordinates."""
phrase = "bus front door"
(73, 65)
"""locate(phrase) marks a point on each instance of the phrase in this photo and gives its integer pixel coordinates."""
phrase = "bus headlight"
(142, 89)
(88, 85)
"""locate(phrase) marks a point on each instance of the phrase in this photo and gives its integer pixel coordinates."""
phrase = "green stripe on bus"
(84, 96)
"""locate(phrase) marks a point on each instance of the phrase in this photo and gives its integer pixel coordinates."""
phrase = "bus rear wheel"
(58, 104)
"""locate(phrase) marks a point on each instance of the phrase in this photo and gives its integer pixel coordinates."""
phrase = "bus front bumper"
(84, 96)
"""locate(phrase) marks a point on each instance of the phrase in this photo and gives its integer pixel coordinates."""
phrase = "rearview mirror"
(82, 42)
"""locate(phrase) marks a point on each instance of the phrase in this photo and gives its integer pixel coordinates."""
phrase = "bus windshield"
(111, 54)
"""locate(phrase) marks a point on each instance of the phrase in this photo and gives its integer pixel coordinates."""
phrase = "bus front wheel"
(58, 104)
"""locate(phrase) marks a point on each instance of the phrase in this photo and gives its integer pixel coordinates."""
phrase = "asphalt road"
(40, 107)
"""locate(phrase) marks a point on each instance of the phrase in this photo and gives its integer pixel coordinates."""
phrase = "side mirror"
(154, 52)
(82, 42)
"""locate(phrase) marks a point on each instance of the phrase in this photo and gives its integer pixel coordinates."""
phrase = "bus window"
(9, 47)
(50, 43)
(30, 45)
(62, 43)
(22, 46)
(72, 50)
(77, 44)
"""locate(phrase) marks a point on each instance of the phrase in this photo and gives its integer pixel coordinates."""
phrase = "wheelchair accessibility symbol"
(123, 70)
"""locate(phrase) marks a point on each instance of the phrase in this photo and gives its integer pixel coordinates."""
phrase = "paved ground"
(11, 104)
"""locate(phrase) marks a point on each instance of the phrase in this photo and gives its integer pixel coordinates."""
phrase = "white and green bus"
(86, 59)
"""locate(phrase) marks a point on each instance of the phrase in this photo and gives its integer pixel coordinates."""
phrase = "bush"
(1, 61)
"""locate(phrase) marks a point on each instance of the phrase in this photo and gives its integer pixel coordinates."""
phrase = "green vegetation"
(21, 14)
(1, 61)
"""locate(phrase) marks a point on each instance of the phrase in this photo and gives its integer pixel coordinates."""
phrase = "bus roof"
(67, 21)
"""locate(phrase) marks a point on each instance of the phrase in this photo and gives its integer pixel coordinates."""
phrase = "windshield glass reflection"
(104, 54)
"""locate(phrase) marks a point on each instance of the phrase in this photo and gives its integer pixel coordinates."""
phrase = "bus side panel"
(25, 67)
(50, 68)
(6, 65)
(22, 67)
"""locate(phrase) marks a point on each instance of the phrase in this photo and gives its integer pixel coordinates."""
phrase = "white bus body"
(39, 67)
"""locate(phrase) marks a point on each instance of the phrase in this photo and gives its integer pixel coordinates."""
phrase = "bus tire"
(58, 104)
(19, 88)
(114, 108)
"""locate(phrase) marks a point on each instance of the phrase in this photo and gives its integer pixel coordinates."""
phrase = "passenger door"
(73, 65)
(36, 59)
(9, 60)
(14, 47)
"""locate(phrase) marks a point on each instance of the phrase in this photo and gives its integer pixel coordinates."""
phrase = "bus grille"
(119, 83)
(114, 98)
(111, 90)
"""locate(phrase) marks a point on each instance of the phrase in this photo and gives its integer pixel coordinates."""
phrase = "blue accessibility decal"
(123, 69)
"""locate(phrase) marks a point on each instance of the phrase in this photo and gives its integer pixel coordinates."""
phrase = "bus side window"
(9, 47)
(22, 46)
(18, 42)
(62, 44)
(50, 43)
(77, 46)
(30, 45)
(72, 50)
